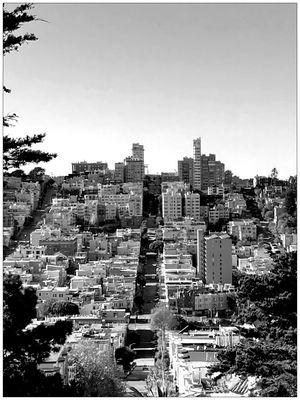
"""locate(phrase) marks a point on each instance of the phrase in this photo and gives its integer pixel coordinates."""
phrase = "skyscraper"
(197, 164)
(185, 170)
(134, 169)
(212, 171)
(138, 151)
(119, 172)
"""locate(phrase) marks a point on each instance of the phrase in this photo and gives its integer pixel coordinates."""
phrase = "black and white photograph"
(149, 199)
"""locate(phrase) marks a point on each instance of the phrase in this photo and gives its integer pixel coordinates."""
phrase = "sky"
(104, 76)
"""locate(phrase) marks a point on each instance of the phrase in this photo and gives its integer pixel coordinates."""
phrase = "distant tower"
(138, 151)
(185, 170)
(197, 164)
(119, 172)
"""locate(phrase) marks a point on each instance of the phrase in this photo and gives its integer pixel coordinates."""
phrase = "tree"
(61, 308)
(24, 349)
(36, 174)
(18, 151)
(274, 174)
(44, 309)
(12, 21)
(53, 307)
(157, 246)
(96, 374)
(140, 279)
(290, 201)
(125, 356)
(162, 318)
(269, 352)
(139, 301)
(269, 215)
(18, 173)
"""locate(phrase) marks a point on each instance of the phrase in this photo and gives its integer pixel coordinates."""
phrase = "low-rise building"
(56, 293)
(242, 229)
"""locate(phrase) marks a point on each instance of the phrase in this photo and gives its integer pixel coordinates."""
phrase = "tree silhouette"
(19, 151)
(24, 349)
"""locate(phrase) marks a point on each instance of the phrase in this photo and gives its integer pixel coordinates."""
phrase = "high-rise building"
(119, 172)
(138, 151)
(214, 258)
(228, 177)
(171, 205)
(88, 167)
(134, 170)
(200, 253)
(197, 164)
(212, 171)
(192, 205)
(185, 170)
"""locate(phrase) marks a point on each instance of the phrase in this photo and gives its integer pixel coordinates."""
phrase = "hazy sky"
(102, 76)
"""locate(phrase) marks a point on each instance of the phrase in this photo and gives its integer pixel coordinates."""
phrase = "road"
(143, 338)
(37, 216)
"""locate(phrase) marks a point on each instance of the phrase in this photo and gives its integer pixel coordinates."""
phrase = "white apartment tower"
(171, 205)
(192, 205)
(197, 164)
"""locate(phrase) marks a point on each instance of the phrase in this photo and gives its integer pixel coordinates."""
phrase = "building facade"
(215, 259)
(197, 164)
(185, 170)
(138, 151)
(119, 172)
(212, 171)
(171, 205)
(81, 167)
(192, 205)
(134, 169)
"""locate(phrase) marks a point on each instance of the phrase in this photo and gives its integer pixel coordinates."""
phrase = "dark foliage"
(18, 151)
(53, 307)
(125, 356)
(12, 21)
(268, 302)
(24, 349)
(290, 202)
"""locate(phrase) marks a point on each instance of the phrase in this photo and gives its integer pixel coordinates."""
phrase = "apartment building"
(138, 151)
(66, 245)
(214, 258)
(185, 170)
(134, 169)
(212, 171)
(218, 212)
(242, 229)
(197, 173)
(119, 172)
(171, 205)
(192, 205)
(84, 166)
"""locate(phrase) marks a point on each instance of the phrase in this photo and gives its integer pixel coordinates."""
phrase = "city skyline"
(161, 75)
